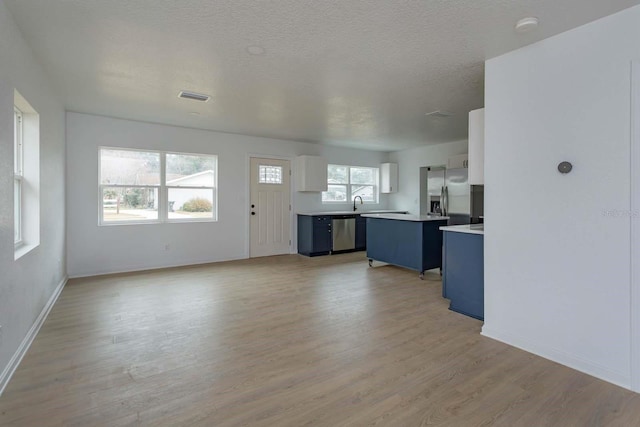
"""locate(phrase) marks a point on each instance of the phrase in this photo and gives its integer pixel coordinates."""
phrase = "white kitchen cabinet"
(458, 162)
(388, 177)
(476, 147)
(311, 173)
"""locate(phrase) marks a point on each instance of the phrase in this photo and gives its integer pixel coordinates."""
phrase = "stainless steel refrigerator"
(449, 194)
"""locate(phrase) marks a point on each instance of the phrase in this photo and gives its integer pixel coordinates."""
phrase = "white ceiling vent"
(193, 96)
(439, 113)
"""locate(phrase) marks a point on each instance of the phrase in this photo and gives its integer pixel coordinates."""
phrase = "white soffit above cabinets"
(349, 73)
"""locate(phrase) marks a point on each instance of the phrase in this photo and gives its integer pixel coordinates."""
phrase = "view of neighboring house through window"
(347, 182)
(152, 186)
(18, 156)
(190, 182)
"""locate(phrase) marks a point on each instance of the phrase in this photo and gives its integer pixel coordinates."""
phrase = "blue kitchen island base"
(406, 241)
(463, 270)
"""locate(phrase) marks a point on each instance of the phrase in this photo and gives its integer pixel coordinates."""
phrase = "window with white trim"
(139, 186)
(18, 176)
(26, 176)
(344, 183)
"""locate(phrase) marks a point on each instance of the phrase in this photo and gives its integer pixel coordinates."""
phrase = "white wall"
(27, 283)
(97, 250)
(556, 264)
(409, 163)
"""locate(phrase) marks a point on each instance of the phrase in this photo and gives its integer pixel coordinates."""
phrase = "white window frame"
(18, 177)
(26, 176)
(162, 190)
(349, 185)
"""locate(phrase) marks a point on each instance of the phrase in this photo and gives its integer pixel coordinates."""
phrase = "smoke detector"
(193, 96)
(440, 114)
(526, 24)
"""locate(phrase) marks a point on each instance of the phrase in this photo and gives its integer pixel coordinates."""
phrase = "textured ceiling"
(351, 73)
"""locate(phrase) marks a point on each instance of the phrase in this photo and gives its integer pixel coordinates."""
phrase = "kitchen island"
(410, 241)
(463, 269)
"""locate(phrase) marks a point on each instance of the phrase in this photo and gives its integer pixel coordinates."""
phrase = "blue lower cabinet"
(463, 273)
(314, 235)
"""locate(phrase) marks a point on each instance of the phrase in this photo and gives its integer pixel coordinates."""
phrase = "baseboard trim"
(595, 370)
(13, 364)
(137, 269)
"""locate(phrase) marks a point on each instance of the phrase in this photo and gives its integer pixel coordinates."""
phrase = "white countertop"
(466, 228)
(351, 212)
(405, 217)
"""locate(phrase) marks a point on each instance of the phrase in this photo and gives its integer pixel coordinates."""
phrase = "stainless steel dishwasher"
(343, 232)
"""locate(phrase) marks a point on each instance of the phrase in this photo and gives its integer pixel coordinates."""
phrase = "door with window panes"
(269, 208)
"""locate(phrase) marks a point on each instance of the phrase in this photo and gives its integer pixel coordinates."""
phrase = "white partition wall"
(634, 218)
(557, 246)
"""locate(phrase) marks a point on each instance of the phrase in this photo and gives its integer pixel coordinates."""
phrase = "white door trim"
(634, 218)
(247, 198)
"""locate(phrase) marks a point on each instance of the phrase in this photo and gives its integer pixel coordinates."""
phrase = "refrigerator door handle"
(446, 200)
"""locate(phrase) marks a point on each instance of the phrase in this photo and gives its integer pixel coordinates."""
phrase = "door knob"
(253, 213)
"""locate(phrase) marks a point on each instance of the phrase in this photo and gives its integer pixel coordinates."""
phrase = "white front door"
(270, 207)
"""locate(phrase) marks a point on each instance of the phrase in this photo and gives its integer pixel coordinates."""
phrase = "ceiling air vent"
(193, 96)
(440, 114)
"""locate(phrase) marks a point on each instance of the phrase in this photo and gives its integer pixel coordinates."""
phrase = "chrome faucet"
(354, 202)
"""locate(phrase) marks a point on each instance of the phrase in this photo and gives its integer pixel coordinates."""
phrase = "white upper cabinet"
(476, 147)
(311, 173)
(458, 162)
(388, 177)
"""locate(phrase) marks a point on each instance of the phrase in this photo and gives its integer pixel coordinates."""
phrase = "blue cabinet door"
(322, 235)
(314, 235)
(361, 233)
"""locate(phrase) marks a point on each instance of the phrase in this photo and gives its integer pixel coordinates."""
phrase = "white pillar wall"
(558, 247)
(634, 218)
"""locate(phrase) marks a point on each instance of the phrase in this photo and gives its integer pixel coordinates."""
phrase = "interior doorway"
(270, 207)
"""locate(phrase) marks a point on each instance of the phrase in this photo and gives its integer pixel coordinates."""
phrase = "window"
(346, 182)
(190, 182)
(18, 156)
(270, 174)
(26, 176)
(152, 186)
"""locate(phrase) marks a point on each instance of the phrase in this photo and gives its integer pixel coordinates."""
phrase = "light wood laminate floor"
(287, 341)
